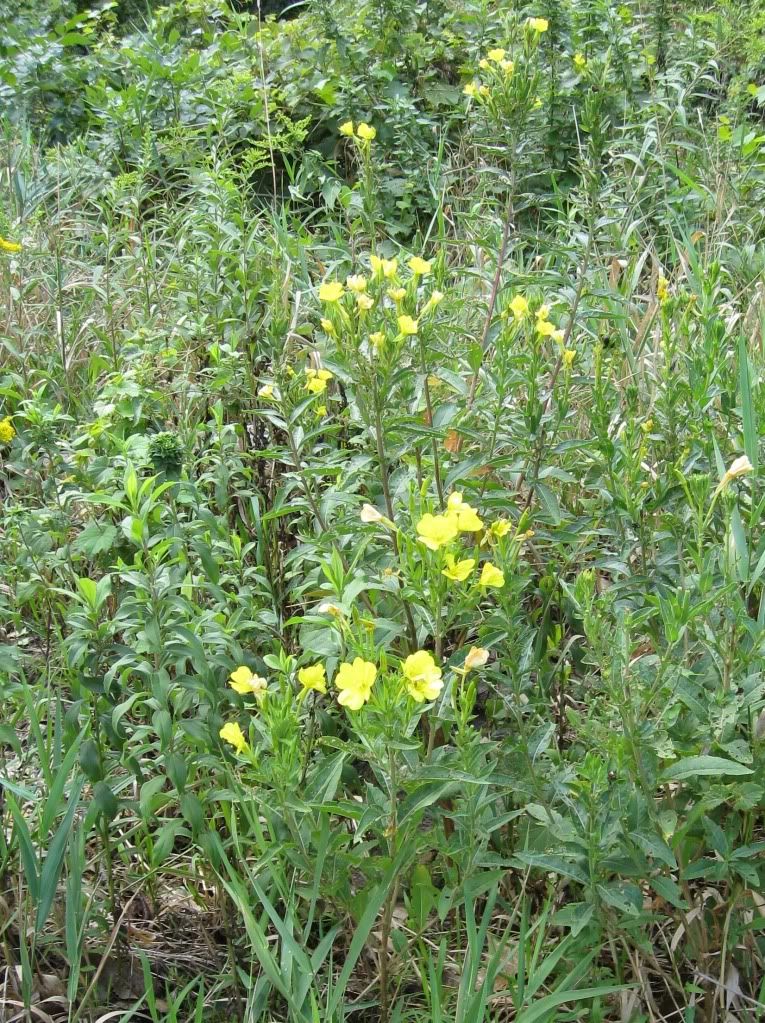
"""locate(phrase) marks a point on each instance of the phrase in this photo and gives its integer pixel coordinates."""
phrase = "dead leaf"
(453, 442)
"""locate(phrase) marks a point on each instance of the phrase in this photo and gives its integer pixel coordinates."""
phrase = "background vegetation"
(382, 609)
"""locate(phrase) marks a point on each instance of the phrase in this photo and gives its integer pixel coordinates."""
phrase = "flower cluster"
(520, 309)
(419, 676)
(348, 305)
(499, 68)
(7, 431)
(363, 131)
(8, 246)
(316, 380)
(382, 298)
(440, 531)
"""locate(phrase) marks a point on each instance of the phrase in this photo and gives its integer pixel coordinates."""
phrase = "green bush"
(381, 608)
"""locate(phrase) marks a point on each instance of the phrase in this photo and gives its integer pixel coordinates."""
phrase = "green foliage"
(382, 589)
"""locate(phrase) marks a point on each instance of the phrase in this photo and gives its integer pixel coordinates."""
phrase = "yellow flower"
(471, 90)
(7, 432)
(7, 246)
(435, 299)
(507, 66)
(233, 735)
(313, 677)
(366, 131)
(407, 325)
(483, 63)
(317, 380)
(519, 307)
(468, 520)
(538, 24)
(647, 426)
(327, 326)
(419, 266)
(491, 576)
(569, 354)
(383, 267)
(558, 336)
(543, 313)
(331, 291)
(662, 290)
(377, 339)
(497, 54)
(499, 528)
(266, 392)
(458, 572)
(397, 294)
(346, 128)
(537, 102)
(483, 90)
(321, 411)
(356, 282)
(465, 516)
(355, 683)
(580, 61)
(454, 501)
(423, 676)
(545, 328)
(244, 681)
(437, 530)
(476, 658)
(364, 302)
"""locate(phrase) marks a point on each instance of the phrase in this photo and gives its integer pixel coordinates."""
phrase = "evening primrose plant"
(383, 700)
(507, 89)
(382, 580)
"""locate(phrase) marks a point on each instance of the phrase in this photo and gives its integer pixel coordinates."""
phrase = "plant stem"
(383, 462)
(390, 901)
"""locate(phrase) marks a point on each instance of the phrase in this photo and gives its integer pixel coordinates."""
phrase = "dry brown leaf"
(453, 442)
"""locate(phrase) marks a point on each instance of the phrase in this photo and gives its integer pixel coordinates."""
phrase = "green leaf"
(550, 501)
(90, 761)
(669, 890)
(323, 782)
(422, 797)
(556, 864)
(691, 767)
(51, 868)
(26, 848)
(10, 658)
(95, 539)
(422, 897)
(87, 588)
(105, 800)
